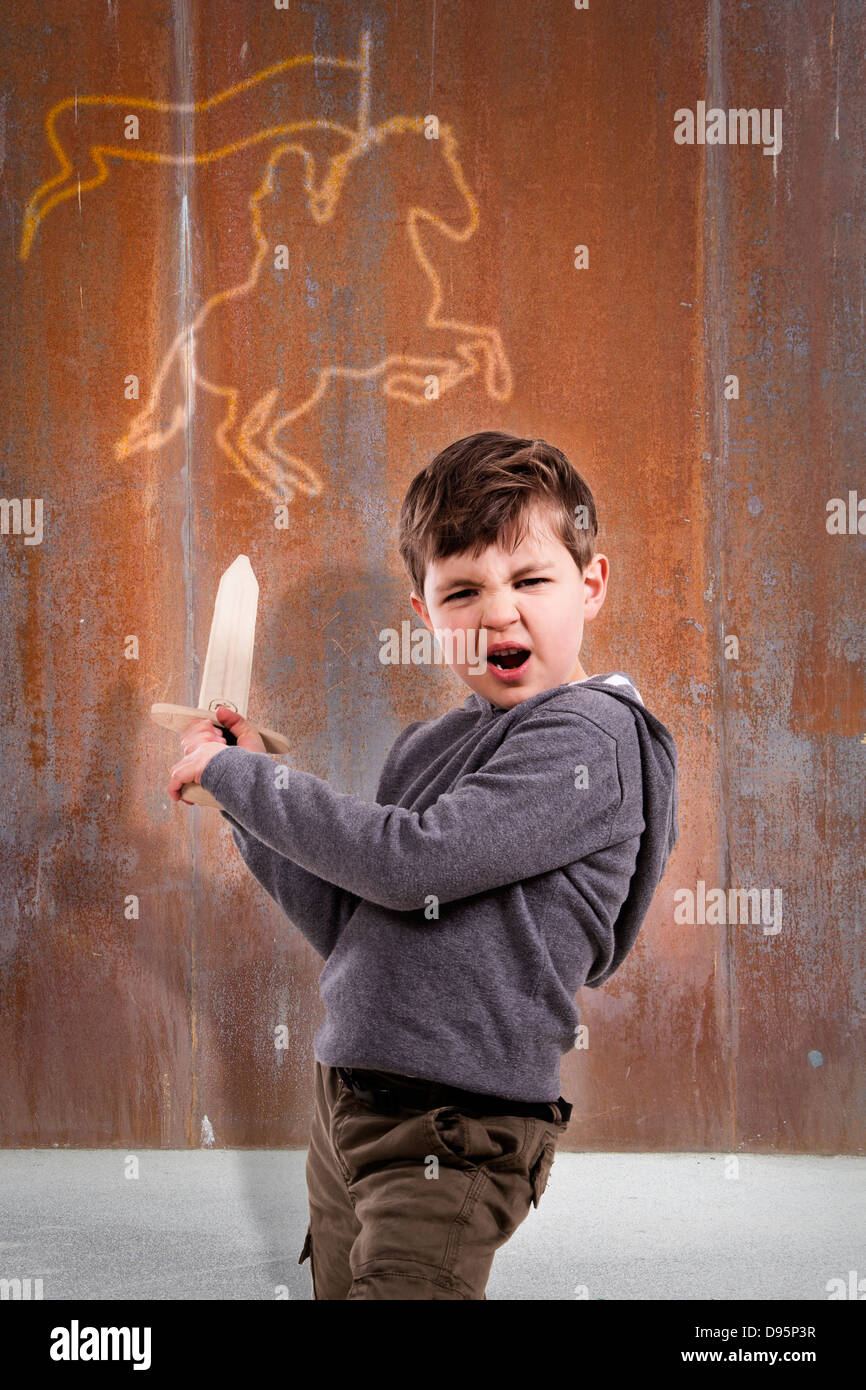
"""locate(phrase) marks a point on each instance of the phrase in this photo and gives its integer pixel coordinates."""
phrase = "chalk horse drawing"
(349, 170)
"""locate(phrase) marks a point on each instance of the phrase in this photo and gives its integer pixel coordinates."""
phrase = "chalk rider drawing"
(340, 165)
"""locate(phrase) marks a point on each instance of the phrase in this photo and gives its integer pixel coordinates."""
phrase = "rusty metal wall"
(142, 971)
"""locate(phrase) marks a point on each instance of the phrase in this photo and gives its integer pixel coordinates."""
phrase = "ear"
(595, 585)
(421, 609)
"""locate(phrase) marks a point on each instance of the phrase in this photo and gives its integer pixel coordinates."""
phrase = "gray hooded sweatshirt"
(510, 857)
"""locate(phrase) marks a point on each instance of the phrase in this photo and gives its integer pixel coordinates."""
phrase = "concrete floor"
(230, 1225)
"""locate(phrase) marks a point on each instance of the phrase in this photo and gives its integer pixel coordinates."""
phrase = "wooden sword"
(227, 669)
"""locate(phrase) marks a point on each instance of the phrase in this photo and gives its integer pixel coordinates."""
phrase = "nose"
(500, 612)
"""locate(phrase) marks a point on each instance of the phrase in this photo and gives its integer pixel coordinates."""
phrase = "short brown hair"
(478, 491)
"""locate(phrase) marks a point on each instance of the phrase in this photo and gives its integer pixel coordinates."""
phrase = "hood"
(660, 812)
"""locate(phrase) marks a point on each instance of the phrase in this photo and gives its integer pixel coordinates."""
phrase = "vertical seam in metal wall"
(716, 353)
(187, 144)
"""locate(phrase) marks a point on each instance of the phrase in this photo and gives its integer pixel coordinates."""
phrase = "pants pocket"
(500, 1142)
(306, 1253)
(540, 1171)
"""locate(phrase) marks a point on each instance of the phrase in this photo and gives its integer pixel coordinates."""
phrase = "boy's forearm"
(317, 908)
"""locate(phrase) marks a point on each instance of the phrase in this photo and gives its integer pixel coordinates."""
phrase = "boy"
(510, 857)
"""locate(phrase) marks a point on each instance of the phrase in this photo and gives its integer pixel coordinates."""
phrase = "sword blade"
(229, 662)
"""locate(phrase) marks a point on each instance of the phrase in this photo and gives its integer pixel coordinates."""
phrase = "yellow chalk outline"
(408, 385)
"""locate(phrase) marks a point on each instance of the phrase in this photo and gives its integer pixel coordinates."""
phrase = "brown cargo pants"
(414, 1204)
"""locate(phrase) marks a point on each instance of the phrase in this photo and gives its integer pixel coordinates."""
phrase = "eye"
(462, 592)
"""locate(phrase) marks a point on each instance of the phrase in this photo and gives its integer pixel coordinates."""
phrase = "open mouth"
(509, 660)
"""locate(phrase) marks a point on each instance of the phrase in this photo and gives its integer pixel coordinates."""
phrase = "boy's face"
(534, 598)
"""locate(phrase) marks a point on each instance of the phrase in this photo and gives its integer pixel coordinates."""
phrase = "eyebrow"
(545, 564)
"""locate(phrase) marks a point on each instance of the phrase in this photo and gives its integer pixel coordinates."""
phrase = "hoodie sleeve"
(320, 910)
(548, 796)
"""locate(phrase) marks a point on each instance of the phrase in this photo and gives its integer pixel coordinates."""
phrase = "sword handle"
(179, 717)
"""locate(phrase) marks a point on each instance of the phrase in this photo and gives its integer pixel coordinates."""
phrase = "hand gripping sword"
(227, 669)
